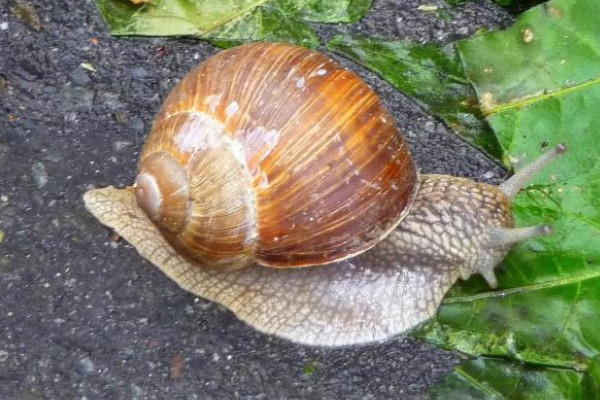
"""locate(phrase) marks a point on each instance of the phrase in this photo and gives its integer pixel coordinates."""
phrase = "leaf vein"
(588, 275)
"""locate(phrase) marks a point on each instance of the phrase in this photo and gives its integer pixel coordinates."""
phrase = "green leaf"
(230, 22)
(431, 75)
(516, 322)
(539, 83)
(591, 380)
(263, 24)
(309, 369)
(497, 379)
(504, 3)
(335, 11)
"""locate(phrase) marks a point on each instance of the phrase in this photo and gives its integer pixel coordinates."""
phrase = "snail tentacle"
(505, 236)
(515, 183)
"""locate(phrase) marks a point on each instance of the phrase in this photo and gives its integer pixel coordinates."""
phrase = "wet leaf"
(26, 12)
(539, 84)
(309, 369)
(335, 11)
(504, 3)
(591, 380)
(494, 379)
(230, 22)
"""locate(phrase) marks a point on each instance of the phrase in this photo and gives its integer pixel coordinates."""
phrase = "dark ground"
(84, 317)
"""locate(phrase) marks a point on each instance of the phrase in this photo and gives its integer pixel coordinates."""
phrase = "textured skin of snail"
(398, 254)
(371, 297)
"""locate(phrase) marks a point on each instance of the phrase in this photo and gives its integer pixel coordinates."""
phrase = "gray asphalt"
(82, 316)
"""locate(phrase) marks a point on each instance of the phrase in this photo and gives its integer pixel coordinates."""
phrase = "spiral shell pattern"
(282, 157)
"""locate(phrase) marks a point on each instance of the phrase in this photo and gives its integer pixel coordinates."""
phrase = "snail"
(275, 183)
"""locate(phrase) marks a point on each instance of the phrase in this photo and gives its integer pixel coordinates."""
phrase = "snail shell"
(275, 154)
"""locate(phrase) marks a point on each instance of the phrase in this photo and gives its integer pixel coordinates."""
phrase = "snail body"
(275, 183)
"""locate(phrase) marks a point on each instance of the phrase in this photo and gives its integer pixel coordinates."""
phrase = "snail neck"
(462, 224)
(466, 225)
